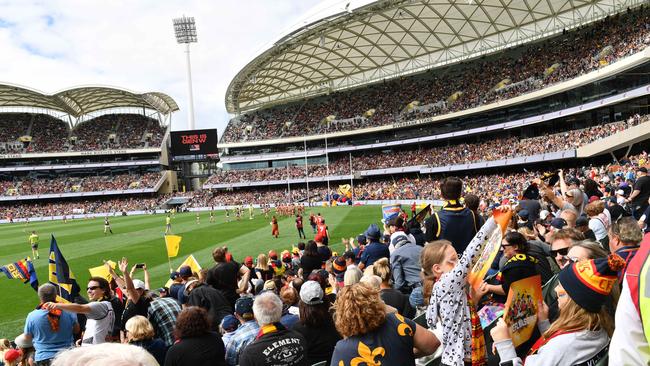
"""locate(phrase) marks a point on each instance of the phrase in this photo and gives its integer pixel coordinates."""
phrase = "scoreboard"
(194, 145)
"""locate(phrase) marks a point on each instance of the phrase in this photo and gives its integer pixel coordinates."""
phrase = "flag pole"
(169, 260)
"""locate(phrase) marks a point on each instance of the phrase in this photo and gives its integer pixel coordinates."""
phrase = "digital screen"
(194, 143)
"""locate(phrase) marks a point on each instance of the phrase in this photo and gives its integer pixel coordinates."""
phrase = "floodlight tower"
(185, 30)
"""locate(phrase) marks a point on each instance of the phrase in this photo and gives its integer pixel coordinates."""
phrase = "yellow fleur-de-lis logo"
(403, 329)
(366, 356)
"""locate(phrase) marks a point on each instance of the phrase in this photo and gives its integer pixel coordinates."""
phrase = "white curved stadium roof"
(81, 100)
(389, 38)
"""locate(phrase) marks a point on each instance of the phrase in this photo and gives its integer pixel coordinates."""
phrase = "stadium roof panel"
(389, 38)
(81, 100)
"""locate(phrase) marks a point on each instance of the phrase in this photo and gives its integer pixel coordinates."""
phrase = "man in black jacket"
(213, 301)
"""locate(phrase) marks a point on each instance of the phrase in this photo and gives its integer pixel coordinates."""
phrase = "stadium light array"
(185, 31)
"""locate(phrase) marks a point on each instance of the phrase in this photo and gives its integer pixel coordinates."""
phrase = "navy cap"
(372, 232)
(244, 305)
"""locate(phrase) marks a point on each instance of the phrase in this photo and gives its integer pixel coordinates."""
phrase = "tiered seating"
(455, 88)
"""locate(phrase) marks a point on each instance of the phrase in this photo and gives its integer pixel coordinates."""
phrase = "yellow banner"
(173, 244)
(102, 271)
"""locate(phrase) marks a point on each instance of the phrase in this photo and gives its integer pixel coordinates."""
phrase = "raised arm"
(130, 289)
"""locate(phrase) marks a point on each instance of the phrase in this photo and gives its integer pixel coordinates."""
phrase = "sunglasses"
(562, 252)
(572, 259)
(92, 288)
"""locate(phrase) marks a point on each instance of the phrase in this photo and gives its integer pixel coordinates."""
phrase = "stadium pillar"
(190, 94)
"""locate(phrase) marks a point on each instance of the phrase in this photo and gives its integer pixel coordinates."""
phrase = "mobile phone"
(139, 265)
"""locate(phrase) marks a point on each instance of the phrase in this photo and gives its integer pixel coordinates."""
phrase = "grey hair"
(47, 292)
(372, 280)
(105, 354)
(352, 276)
(267, 308)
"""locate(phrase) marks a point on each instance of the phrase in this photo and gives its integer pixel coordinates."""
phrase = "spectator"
(246, 332)
(224, 276)
(639, 198)
(373, 250)
(98, 311)
(213, 301)
(310, 259)
(50, 331)
(453, 222)
(316, 324)
(581, 333)
(105, 354)
(275, 345)
(162, 314)
(139, 332)
(624, 238)
(374, 335)
(629, 344)
(391, 296)
(405, 264)
(445, 276)
(196, 344)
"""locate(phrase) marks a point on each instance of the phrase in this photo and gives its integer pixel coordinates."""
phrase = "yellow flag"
(102, 271)
(189, 261)
(173, 243)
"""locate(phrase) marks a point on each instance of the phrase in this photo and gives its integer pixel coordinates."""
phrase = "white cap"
(543, 214)
(138, 284)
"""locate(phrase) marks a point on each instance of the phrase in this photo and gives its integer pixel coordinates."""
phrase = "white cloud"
(56, 44)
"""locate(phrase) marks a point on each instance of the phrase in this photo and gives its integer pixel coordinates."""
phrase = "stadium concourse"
(514, 136)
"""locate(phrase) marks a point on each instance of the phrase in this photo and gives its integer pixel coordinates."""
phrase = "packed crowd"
(117, 131)
(63, 184)
(460, 153)
(395, 295)
(50, 134)
(558, 59)
(30, 209)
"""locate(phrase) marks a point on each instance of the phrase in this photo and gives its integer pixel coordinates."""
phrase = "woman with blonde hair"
(392, 297)
(371, 335)
(262, 269)
(139, 332)
(581, 333)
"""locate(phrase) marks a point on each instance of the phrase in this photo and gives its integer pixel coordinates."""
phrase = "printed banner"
(491, 247)
(524, 297)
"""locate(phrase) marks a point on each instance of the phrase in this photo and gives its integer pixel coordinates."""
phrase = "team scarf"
(53, 317)
(478, 340)
(268, 329)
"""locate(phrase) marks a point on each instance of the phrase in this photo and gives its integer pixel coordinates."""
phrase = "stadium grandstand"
(85, 150)
(415, 90)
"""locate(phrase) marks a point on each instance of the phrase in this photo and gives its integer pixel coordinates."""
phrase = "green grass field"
(140, 239)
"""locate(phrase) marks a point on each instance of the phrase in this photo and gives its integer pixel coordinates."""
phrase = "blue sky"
(56, 44)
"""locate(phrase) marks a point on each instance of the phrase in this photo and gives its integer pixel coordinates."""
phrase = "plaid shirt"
(244, 335)
(162, 314)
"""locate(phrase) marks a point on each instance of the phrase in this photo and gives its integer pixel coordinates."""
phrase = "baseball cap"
(544, 214)
(269, 285)
(248, 260)
(558, 223)
(229, 323)
(642, 169)
(286, 256)
(185, 271)
(273, 255)
(523, 214)
(174, 275)
(22, 341)
(372, 232)
(582, 221)
(311, 293)
(244, 305)
(361, 239)
(12, 355)
(139, 285)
